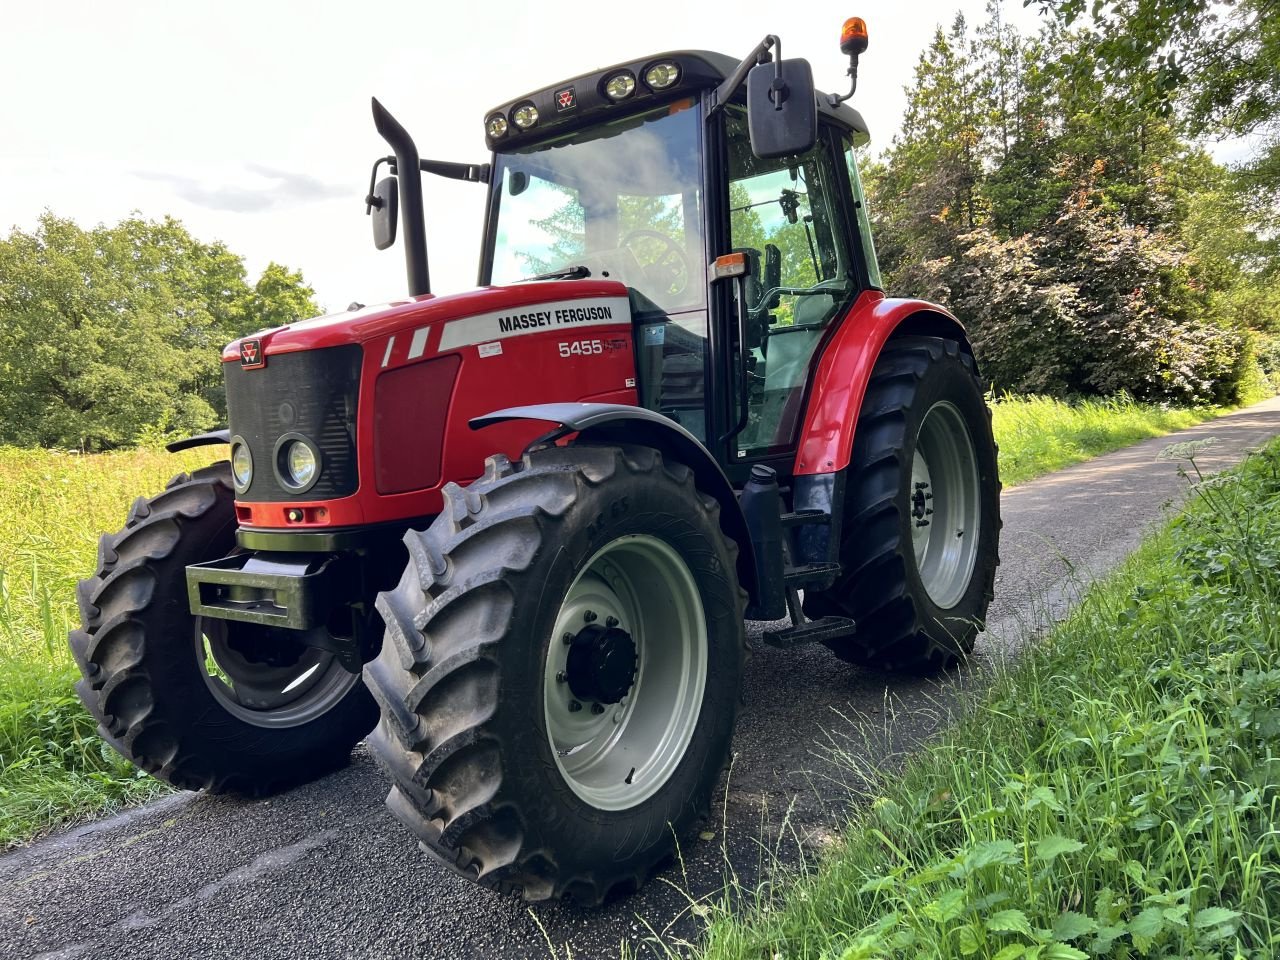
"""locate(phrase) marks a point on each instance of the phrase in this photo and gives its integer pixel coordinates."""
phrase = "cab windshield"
(621, 199)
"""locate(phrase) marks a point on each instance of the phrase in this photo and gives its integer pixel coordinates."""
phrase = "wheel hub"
(602, 663)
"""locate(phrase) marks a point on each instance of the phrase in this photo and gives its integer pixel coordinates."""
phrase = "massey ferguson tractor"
(511, 535)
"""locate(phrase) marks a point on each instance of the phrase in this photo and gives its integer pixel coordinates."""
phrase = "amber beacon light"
(853, 41)
(853, 37)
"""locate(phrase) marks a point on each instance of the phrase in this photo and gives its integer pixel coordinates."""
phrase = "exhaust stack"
(409, 173)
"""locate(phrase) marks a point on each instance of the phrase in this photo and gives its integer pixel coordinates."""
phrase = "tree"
(107, 331)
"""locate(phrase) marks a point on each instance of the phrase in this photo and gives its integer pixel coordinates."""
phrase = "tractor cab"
(723, 195)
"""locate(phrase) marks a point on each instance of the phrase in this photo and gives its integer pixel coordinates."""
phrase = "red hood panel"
(367, 323)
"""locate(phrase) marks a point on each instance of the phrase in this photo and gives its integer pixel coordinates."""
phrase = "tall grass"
(53, 766)
(1115, 793)
(1039, 434)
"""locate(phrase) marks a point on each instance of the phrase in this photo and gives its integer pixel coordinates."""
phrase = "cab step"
(801, 517)
(817, 576)
(812, 631)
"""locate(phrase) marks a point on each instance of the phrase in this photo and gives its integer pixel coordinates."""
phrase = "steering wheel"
(669, 271)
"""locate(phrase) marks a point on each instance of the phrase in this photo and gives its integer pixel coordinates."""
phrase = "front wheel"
(919, 541)
(214, 704)
(561, 673)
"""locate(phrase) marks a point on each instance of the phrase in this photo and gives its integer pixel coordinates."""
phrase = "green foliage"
(1113, 794)
(108, 331)
(1086, 246)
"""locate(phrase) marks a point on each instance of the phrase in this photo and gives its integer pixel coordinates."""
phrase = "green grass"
(1114, 793)
(53, 766)
(53, 505)
(1038, 434)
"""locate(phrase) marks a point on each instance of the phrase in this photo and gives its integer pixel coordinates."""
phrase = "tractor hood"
(505, 306)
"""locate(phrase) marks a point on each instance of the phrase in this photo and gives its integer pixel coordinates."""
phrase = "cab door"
(791, 218)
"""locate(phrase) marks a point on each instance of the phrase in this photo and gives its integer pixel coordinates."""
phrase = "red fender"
(844, 370)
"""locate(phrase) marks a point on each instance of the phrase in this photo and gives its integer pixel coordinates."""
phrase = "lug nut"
(574, 706)
(610, 621)
(568, 639)
(597, 708)
(589, 616)
(560, 677)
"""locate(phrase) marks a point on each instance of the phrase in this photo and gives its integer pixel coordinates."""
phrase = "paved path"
(325, 872)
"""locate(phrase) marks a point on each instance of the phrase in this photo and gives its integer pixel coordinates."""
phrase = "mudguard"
(622, 424)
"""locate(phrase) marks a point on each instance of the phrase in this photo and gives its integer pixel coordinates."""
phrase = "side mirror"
(384, 205)
(782, 109)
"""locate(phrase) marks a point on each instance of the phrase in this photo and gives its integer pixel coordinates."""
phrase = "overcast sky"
(249, 119)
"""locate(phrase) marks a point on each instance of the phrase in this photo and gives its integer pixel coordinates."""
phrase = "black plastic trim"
(199, 440)
(328, 541)
(616, 423)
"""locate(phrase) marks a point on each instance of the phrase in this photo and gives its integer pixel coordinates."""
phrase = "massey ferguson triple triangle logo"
(565, 98)
(251, 354)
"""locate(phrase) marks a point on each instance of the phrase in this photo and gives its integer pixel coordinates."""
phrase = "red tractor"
(515, 532)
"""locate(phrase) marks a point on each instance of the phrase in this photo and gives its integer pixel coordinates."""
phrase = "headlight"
(241, 465)
(525, 115)
(496, 125)
(297, 463)
(662, 75)
(620, 85)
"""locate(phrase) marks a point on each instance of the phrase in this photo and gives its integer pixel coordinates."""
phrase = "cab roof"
(581, 101)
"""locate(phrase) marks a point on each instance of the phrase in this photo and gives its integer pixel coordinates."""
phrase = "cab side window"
(786, 217)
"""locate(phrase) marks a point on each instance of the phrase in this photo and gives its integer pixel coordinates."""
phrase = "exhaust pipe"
(409, 174)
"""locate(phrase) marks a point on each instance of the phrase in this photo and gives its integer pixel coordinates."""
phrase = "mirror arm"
(720, 96)
(471, 172)
(370, 201)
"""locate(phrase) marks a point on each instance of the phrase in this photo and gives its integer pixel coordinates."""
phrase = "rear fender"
(841, 377)
(621, 424)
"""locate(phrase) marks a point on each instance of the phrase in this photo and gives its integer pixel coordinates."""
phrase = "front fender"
(621, 424)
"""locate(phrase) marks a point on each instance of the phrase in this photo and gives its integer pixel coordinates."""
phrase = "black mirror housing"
(386, 207)
(782, 109)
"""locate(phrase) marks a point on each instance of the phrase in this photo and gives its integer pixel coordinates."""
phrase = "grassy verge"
(1038, 434)
(1116, 793)
(53, 766)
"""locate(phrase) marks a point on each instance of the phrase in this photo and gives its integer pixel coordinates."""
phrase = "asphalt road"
(324, 871)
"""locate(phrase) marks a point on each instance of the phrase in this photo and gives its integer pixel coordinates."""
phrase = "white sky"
(249, 119)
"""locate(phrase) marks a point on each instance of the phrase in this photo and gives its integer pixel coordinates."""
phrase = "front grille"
(313, 393)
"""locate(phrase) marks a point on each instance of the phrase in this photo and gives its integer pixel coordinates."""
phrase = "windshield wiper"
(578, 272)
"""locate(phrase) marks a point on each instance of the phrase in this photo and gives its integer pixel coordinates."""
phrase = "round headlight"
(496, 126)
(662, 75)
(620, 85)
(300, 463)
(525, 115)
(241, 465)
(297, 463)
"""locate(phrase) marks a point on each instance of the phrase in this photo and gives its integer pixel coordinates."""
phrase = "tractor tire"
(561, 671)
(920, 537)
(194, 702)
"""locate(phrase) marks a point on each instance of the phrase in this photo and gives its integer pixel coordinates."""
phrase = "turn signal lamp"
(525, 115)
(853, 38)
(728, 265)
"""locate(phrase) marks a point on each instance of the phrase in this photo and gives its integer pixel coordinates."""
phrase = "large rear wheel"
(213, 704)
(561, 672)
(921, 525)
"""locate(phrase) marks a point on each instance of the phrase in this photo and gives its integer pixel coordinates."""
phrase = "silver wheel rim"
(289, 693)
(945, 510)
(620, 755)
